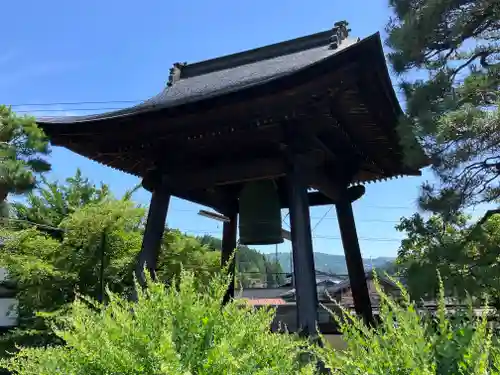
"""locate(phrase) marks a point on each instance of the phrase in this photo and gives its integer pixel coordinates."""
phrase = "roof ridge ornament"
(340, 32)
(175, 73)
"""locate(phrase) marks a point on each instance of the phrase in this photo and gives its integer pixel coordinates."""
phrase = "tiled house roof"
(265, 301)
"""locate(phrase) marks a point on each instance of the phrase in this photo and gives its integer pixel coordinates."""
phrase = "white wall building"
(8, 305)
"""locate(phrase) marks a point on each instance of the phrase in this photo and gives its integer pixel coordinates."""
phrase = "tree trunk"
(3, 200)
(3, 194)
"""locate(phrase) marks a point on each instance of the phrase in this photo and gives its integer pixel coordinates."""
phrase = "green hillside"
(252, 267)
(330, 263)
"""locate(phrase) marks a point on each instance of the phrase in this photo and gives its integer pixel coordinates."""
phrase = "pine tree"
(23, 147)
(455, 46)
(52, 201)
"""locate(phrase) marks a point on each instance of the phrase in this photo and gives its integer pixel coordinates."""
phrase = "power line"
(284, 219)
(94, 102)
(322, 218)
(389, 207)
(375, 239)
(361, 220)
(197, 231)
(70, 110)
(74, 103)
(315, 217)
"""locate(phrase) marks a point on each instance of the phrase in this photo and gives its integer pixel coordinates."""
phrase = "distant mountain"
(331, 263)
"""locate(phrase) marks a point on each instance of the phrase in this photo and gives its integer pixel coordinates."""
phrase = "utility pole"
(102, 265)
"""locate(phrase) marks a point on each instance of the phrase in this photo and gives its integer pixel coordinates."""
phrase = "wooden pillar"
(229, 231)
(303, 257)
(155, 226)
(354, 261)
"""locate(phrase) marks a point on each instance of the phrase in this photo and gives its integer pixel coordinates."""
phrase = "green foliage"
(54, 201)
(49, 270)
(274, 274)
(183, 330)
(408, 342)
(51, 202)
(185, 252)
(391, 268)
(455, 44)
(178, 330)
(23, 147)
(467, 258)
(252, 267)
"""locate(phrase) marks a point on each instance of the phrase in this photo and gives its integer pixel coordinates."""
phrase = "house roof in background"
(266, 301)
(327, 288)
(346, 284)
(260, 293)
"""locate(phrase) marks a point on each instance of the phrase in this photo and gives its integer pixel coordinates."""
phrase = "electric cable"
(322, 218)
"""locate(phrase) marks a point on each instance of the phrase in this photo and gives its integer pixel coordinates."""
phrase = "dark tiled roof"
(321, 286)
(228, 74)
(215, 109)
(347, 283)
(326, 290)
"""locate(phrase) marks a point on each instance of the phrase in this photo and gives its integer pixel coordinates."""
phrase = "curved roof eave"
(423, 160)
(370, 44)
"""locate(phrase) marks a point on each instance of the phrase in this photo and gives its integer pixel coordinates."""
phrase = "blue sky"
(108, 51)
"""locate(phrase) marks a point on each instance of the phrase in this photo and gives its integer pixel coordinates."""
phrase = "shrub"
(180, 330)
(175, 330)
(409, 342)
(47, 270)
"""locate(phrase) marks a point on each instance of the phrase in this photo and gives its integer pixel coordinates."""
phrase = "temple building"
(296, 124)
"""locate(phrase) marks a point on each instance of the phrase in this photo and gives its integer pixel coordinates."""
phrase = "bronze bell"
(260, 214)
